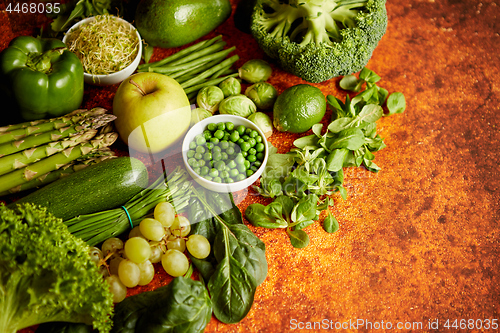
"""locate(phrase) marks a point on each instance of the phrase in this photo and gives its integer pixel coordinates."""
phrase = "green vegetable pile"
(301, 180)
(46, 274)
(318, 39)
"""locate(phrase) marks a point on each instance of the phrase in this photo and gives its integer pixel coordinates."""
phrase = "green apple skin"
(152, 112)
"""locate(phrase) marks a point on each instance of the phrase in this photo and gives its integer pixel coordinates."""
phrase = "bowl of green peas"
(225, 153)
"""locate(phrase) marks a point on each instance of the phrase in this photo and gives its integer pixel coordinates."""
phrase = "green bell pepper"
(40, 78)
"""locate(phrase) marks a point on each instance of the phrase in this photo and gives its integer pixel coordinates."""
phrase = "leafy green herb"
(313, 168)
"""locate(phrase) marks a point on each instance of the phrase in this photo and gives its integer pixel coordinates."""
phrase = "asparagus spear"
(23, 158)
(55, 135)
(54, 162)
(18, 131)
(80, 163)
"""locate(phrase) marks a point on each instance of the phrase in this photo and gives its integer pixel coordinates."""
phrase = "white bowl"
(198, 128)
(114, 78)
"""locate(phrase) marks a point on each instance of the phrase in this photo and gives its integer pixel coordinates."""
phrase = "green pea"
(217, 179)
(220, 165)
(198, 156)
(253, 168)
(244, 153)
(201, 140)
(231, 164)
(245, 146)
(197, 170)
(207, 134)
(200, 149)
(258, 139)
(252, 151)
(216, 149)
(208, 156)
(221, 126)
(214, 140)
(230, 151)
(245, 137)
(260, 147)
(224, 144)
(212, 127)
(240, 177)
(249, 173)
(217, 156)
(225, 156)
(235, 136)
(192, 145)
(190, 153)
(229, 180)
(251, 158)
(208, 177)
(202, 162)
(241, 129)
(224, 174)
(192, 161)
(213, 172)
(248, 131)
(260, 156)
(240, 141)
(257, 164)
(252, 142)
(226, 136)
(210, 145)
(219, 134)
(229, 126)
(233, 173)
(239, 159)
(241, 168)
(204, 170)
(246, 164)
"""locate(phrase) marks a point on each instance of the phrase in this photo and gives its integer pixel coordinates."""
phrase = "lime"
(298, 108)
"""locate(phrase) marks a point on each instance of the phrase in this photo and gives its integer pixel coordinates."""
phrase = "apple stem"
(138, 87)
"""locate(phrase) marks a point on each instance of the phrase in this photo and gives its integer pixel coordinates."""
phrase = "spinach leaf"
(182, 306)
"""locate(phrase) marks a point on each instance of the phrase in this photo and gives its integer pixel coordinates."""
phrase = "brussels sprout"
(209, 98)
(263, 94)
(199, 114)
(230, 86)
(238, 105)
(263, 121)
(255, 70)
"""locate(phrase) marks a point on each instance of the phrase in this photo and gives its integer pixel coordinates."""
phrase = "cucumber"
(102, 186)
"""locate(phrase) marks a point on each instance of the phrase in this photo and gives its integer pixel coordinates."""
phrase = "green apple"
(152, 112)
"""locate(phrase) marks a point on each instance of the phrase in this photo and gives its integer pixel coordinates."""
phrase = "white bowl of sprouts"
(109, 48)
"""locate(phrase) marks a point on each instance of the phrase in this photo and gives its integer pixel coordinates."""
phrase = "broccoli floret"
(319, 39)
(46, 273)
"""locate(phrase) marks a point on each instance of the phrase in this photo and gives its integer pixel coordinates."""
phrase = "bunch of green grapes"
(163, 238)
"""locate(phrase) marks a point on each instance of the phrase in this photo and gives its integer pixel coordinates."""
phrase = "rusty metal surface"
(418, 241)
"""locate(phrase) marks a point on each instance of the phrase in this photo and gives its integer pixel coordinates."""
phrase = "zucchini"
(102, 186)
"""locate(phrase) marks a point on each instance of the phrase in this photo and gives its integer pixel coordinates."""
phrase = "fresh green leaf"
(335, 161)
(305, 209)
(340, 124)
(147, 52)
(330, 223)
(369, 75)
(351, 138)
(298, 238)
(370, 113)
(306, 141)
(396, 103)
(351, 83)
(287, 204)
(316, 129)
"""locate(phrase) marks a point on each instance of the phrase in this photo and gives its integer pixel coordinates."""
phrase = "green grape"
(117, 288)
(137, 249)
(175, 263)
(112, 246)
(198, 246)
(95, 254)
(181, 226)
(129, 273)
(135, 232)
(165, 213)
(176, 243)
(147, 272)
(152, 229)
(113, 265)
(155, 253)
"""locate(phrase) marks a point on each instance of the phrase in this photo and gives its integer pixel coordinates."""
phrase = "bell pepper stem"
(43, 62)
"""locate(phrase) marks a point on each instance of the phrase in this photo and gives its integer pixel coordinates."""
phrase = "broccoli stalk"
(46, 274)
(319, 39)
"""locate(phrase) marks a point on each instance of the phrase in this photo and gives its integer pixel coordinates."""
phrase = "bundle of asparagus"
(33, 154)
(199, 65)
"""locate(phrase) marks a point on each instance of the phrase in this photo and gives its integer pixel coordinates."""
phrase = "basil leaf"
(396, 103)
(352, 139)
(330, 223)
(232, 290)
(298, 238)
(335, 161)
